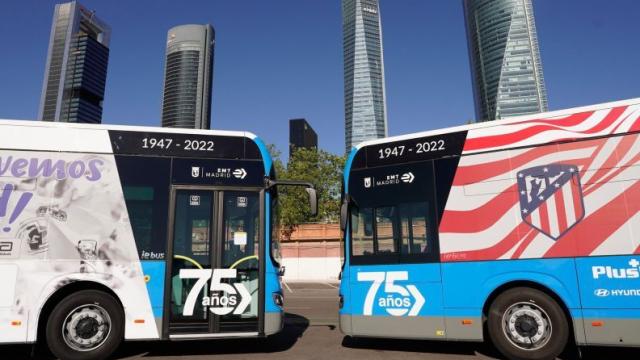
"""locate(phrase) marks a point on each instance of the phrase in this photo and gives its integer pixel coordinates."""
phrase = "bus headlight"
(278, 299)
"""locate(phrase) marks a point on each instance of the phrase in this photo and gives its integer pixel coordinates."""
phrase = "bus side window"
(362, 231)
(387, 232)
(147, 198)
(414, 225)
(397, 233)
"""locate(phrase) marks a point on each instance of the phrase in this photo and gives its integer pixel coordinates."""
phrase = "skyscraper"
(301, 135)
(364, 93)
(76, 70)
(188, 75)
(505, 60)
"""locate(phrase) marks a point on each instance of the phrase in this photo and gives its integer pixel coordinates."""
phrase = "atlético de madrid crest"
(551, 198)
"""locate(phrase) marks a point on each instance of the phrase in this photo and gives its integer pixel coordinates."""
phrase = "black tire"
(89, 300)
(516, 304)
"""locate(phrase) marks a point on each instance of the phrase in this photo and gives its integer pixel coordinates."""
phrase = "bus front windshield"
(392, 220)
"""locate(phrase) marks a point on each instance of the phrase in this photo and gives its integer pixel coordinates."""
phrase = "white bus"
(112, 232)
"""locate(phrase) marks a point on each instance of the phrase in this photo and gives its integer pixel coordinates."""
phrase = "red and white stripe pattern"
(483, 218)
(586, 124)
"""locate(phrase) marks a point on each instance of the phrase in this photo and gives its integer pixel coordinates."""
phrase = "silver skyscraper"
(76, 70)
(188, 76)
(505, 60)
(364, 89)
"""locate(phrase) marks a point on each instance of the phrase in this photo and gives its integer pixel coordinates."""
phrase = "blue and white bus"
(111, 232)
(523, 231)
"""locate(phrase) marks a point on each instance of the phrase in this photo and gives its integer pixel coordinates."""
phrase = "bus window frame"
(162, 194)
(397, 257)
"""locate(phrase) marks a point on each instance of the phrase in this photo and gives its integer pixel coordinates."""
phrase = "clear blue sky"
(280, 59)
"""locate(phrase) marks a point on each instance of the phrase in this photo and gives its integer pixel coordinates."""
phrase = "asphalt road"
(311, 333)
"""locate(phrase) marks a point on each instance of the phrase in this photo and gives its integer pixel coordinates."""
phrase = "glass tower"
(364, 94)
(301, 135)
(505, 60)
(188, 75)
(76, 70)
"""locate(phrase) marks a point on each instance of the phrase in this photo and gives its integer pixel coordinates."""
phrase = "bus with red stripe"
(524, 231)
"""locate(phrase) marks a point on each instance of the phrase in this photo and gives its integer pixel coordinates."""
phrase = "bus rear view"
(521, 231)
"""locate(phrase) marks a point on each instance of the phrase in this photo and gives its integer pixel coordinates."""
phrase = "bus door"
(214, 273)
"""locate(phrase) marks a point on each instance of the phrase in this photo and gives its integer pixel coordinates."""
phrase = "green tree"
(277, 162)
(324, 171)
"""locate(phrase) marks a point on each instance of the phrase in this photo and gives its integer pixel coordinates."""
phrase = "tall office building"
(188, 75)
(504, 57)
(364, 93)
(301, 135)
(76, 70)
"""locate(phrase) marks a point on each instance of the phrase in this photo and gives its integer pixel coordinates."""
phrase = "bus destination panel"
(418, 149)
(175, 144)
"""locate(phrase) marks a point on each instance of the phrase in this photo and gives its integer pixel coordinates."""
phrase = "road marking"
(287, 286)
(331, 285)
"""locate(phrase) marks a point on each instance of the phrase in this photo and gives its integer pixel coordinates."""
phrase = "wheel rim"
(86, 328)
(527, 326)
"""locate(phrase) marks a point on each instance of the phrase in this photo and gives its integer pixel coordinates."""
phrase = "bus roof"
(123, 139)
(497, 123)
(50, 124)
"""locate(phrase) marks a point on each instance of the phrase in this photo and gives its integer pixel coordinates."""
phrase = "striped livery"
(560, 198)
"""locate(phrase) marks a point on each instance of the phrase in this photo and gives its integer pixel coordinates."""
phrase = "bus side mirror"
(313, 200)
(311, 191)
(344, 213)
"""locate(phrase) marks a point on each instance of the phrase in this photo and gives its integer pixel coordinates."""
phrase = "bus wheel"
(85, 325)
(527, 324)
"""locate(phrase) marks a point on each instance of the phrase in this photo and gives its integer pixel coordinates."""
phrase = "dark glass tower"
(76, 70)
(301, 135)
(364, 94)
(505, 59)
(188, 76)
